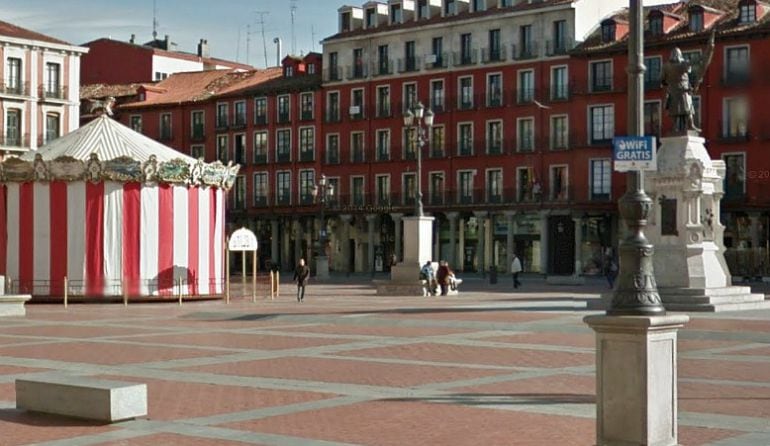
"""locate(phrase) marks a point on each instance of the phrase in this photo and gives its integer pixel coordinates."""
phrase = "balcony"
(410, 154)
(198, 133)
(733, 132)
(260, 201)
(284, 117)
(306, 115)
(358, 156)
(10, 141)
(283, 198)
(166, 134)
(436, 198)
(283, 156)
(525, 96)
(436, 152)
(333, 157)
(559, 93)
(383, 153)
(435, 61)
(601, 84)
(495, 99)
(260, 157)
(469, 196)
(383, 68)
(240, 156)
(306, 199)
(494, 148)
(260, 119)
(384, 111)
(736, 78)
(525, 52)
(408, 65)
(240, 122)
(357, 71)
(653, 83)
(356, 112)
(558, 47)
(491, 55)
(333, 74)
(464, 58)
(54, 92)
(465, 149)
(307, 155)
(465, 103)
(222, 124)
(14, 89)
(333, 116)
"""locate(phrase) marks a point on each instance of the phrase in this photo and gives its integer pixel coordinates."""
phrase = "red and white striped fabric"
(104, 236)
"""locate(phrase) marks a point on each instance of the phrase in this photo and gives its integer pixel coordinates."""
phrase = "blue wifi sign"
(634, 153)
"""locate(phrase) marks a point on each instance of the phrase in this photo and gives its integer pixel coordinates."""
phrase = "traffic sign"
(634, 153)
(242, 240)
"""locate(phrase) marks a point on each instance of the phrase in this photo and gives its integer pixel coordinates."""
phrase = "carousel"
(106, 211)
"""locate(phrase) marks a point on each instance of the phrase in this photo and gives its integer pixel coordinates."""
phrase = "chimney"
(277, 41)
(203, 48)
(133, 38)
(167, 43)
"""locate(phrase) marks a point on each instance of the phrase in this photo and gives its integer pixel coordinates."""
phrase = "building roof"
(453, 18)
(197, 86)
(96, 91)
(175, 54)
(726, 24)
(11, 30)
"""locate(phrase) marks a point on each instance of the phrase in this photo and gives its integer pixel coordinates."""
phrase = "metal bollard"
(66, 291)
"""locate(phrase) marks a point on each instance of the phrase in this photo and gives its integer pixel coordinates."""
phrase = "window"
(525, 134)
(652, 118)
(410, 96)
(465, 139)
(494, 53)
(465, 183)
(283, 187)
(559, 84)
(735, 124)
(437, 44)
(197, 125)
(357, 147)
(383, 102)
(696, 109)
(395, 13)
(436, 188)
(370, 18)
(735, 176)
(13, 128)
(53, 81)
(495, 137)
(601, 174)
(601, 76)
(608, 31)
(239, 141)
(283, 145)
(240, 192)
(13, 75)
(422, 9)
(334, 69)
(357, 103)
(383, 145)
(466, 50)
(306, 184)
(494, 90)
(136, 123)
(333, 107)
(383, 60)
(307, 144)
(198, 152)
(696, 20)
(382, 183)
(306, 106)
(437, 95)
(526, 46)
(652, 74)
(284, 109)
(525, 181)
(559, 132)
(466, 93)
(222, 113)
(747, 12)
(357, 186)
(506, 3)
(450, 7)
(437, 141)
(558, 183)
(408, 189)
(240, 114)
(559, 45)
(602, 123)
(52, 130)
(260, 147)
(222, 152)
(165, 127)
(737, 68)
(260, 189)
(656, 25)
(159, 76)
(410, 140)
(526, 90)
(479, 5)
(358, 63)
(333, 149)
(495, 186)
(410, 61)
(311, 68)
(333, 191)
(260, 111)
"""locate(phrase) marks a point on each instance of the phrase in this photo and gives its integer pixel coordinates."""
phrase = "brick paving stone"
(475, 314)
(98, 353)
(240, 341)
(565, 339)
(386, 331)
(344, 371)
(685, 345)
(12, 370)
(727, 370)
(18, 427)
(723, 399)
(65, 331)
(8, 392)
(10, 340)
(476, 355)
(556, 388)
(728, 325)
(172, 400)
(703, 436)
(757, 351)
(172, 440)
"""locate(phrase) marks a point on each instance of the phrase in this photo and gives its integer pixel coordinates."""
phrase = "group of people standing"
(443, 279)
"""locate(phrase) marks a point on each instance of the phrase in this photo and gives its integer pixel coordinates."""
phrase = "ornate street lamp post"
(414, 120)
(322, 190)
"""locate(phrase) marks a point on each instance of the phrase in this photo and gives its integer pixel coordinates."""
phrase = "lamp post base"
(322, 267)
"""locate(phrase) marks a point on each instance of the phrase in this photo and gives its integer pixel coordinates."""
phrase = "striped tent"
(114, 213)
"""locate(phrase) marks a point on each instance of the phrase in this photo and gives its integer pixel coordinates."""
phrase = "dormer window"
(608, 31)
(370, 18)
(395, 13)
(656, 25)
(450, 8)
(422, 9)
(747, 12)
(288, 71)
(696, 20)
(311, 68)
(345, 22)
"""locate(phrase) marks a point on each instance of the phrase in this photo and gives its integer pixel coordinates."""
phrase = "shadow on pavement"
(482, 399)
(28, 418)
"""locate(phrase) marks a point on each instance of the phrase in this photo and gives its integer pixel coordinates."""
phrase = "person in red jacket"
(444, 276)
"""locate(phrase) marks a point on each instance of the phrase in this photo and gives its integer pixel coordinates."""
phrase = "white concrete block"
(82, 397)
(13, 305)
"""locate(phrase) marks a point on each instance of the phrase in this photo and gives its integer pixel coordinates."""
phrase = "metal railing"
(15, 88)
(525, 52)
(14, 141)
(496, 54)
(56, 92)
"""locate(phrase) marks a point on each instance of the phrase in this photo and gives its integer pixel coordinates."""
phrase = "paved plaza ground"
(488, 367)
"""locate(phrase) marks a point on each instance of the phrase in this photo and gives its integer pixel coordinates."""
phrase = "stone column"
(452, 216)
(371, 220)
(481, 216)
(461, 245)
(288, 228)
(510, 216)
(636, 387)
(274, 254)
(544, 243)
(578, 244)
(436, 242)
(299, 235)
(345, 241)
(396, 216)
(754, 216)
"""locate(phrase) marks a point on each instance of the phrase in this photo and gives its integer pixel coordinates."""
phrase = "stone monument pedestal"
(322, 267)
(405, 276)
(636, 388)
(12, 305)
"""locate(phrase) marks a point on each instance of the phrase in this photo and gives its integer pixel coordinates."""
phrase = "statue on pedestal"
(679, 88)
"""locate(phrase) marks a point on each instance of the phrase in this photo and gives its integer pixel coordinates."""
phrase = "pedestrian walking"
(611, 270)
(444, 277)
(301, 274)
(515, 270)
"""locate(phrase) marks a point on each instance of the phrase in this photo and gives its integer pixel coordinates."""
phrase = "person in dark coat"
(444, 277)
(301, 274)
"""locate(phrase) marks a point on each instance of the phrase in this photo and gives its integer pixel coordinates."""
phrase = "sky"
(221, 22)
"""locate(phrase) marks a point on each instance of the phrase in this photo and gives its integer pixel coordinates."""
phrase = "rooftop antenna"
(238, 45)
(312, 36)
(261, 22)
(154, 19)
(293, 9)
(248, 41)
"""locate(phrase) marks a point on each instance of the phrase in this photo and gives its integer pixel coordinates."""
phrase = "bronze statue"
(677, 74)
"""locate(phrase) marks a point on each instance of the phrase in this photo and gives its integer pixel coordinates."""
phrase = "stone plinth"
(13, 305)
(405, 276)
(636, 387)
(322, 267)
(565, 280)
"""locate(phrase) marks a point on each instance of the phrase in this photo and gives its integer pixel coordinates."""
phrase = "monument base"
(565, 280)
(13, 305)
(404, 281)
(636, 379)
(322, 267)
(731, 298)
